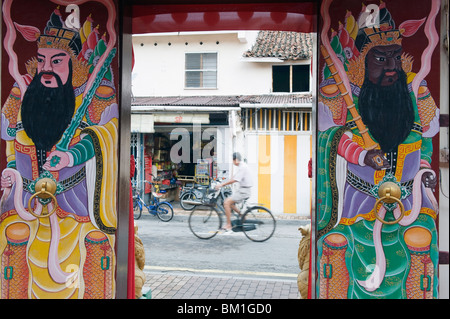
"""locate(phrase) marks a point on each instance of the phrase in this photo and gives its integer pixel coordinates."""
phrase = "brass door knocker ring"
(390, 192)
(45, 189)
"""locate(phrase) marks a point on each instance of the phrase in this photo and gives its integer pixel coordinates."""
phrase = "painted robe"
(346, 217)
(70, 254)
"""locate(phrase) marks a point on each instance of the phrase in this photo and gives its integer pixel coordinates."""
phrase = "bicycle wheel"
(187, 196)
(137, 209)
(258, 224)
(205, 223)
(164, 212)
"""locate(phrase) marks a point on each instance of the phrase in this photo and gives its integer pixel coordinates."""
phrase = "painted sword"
(63, 144)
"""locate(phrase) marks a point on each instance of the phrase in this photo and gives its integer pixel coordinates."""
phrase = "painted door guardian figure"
(377, 235)
(60, 125)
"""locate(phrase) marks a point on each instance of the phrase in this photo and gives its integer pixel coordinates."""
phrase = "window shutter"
(201, 70)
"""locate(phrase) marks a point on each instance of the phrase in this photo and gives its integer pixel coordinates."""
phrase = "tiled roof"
(276, 99)
(218, 100)
(282, 45)
(186, 101)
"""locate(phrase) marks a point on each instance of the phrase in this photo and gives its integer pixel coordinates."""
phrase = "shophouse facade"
(200, 96)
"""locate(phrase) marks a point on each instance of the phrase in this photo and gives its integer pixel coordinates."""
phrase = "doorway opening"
(264, 126)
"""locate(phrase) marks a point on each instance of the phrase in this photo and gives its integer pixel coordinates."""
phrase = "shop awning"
(142, 123)
(145, 123)
(180, 118)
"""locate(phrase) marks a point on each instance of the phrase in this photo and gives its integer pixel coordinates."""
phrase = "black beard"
(387, 111)
(46, 112)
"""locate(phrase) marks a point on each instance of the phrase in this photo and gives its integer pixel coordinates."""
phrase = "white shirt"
(243, 175)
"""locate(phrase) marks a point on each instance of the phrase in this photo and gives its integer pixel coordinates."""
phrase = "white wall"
(224, 152)
(277, 181)
(159, 70)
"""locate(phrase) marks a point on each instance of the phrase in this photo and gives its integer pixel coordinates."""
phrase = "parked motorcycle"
(196, 194)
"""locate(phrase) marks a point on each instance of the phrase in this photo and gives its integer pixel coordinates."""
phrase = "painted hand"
(429, 180)
(5, 182)
(56, 161)
(376, 160)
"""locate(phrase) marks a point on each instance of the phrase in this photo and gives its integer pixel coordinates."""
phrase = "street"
(171, 247)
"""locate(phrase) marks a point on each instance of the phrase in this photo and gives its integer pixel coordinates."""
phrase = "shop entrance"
(176, 155)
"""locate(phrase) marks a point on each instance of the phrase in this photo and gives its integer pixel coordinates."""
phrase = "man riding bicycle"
(243, 177)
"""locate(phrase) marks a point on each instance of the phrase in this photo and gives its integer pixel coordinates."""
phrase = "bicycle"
(256, 222)
(162, 209)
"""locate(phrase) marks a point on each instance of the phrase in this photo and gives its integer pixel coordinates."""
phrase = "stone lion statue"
(303, 260)
(139, 275)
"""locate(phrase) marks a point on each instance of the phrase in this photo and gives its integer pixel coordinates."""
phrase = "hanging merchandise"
(202, 172)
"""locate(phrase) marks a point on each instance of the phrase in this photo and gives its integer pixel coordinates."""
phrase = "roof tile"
(283, 45)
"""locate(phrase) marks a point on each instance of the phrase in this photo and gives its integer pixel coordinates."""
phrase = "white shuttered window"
(201, 70)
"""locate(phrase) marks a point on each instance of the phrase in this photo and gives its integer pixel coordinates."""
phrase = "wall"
(159, 70)
(279, 165)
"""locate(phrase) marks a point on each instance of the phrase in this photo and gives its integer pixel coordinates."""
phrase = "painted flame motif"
(409, 28)
(30, 33)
